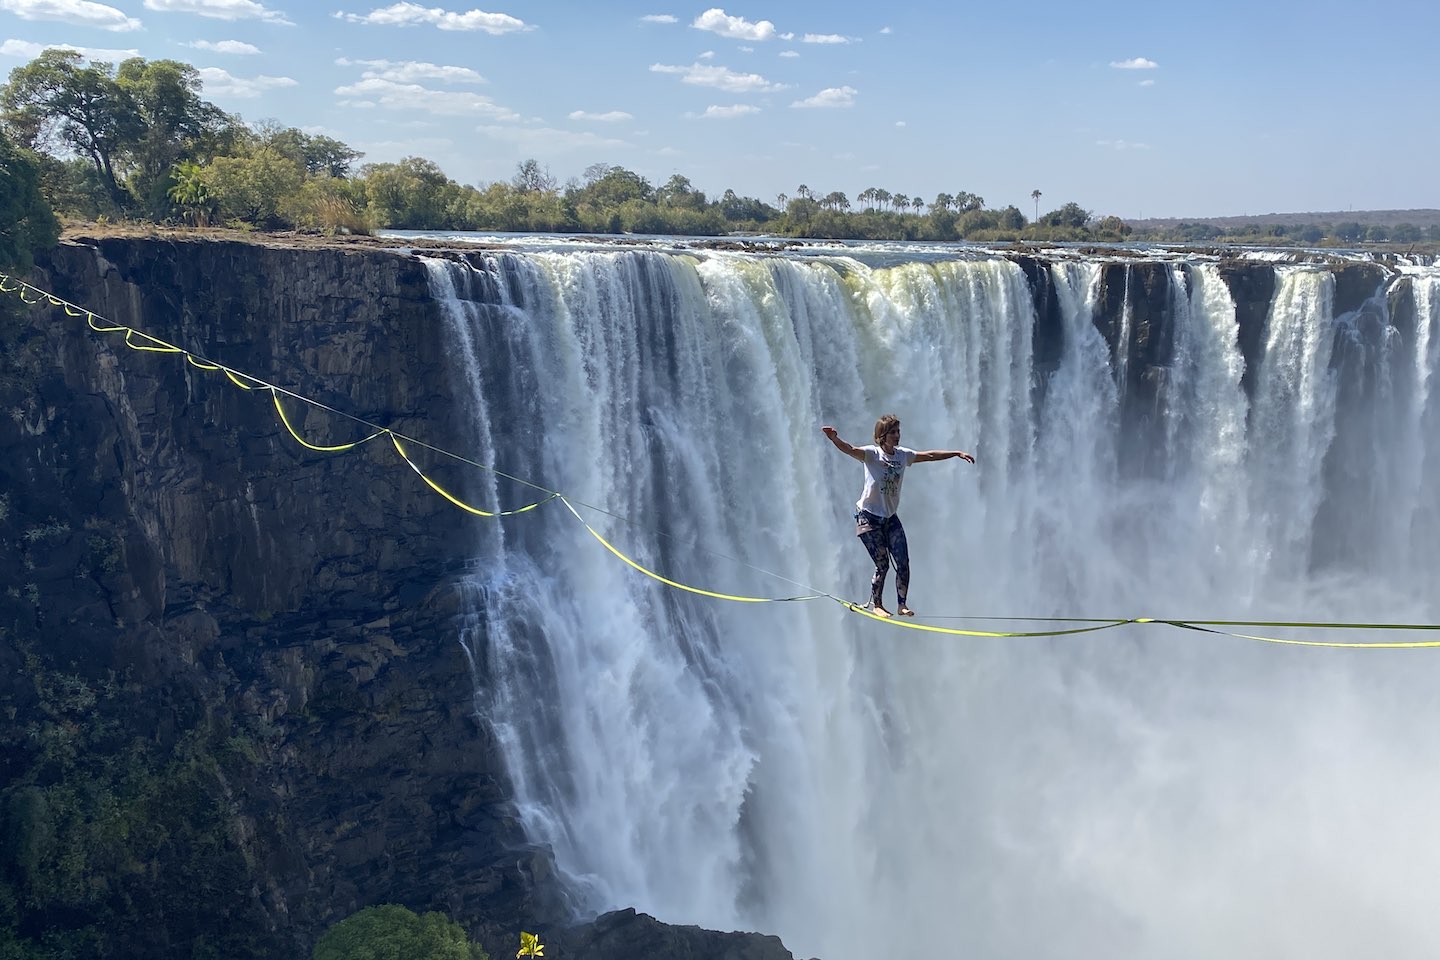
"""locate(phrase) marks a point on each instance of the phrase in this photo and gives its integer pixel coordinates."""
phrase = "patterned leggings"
(884, 539)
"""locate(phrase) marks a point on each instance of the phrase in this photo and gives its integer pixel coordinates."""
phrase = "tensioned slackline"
(139, 340)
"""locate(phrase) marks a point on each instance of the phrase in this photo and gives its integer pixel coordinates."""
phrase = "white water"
(855, 788)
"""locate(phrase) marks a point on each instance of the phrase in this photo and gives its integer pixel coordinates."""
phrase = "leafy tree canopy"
(26, 221)
(392, 932)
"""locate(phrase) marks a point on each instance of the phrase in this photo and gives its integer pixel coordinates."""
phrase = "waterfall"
(793, 769)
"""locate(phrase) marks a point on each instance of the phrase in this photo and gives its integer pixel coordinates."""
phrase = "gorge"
(348, 692)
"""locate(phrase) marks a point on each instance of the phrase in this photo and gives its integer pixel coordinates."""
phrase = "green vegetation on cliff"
(391, 932)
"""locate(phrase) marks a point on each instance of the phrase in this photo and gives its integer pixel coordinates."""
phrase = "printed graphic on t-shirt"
(890, 483)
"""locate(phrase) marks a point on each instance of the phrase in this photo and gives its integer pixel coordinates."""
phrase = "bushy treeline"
(137, 141)
(1343, 232)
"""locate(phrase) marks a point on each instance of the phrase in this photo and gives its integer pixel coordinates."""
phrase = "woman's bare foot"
(906, 611)
(879, 611)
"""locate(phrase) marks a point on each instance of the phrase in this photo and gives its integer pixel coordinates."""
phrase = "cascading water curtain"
(1135, 793)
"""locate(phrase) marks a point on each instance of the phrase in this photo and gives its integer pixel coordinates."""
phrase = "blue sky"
(1136, 109)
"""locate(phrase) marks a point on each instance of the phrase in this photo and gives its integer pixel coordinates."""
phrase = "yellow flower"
(530, 945)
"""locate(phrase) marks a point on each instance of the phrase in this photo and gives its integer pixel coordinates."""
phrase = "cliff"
(237, 709)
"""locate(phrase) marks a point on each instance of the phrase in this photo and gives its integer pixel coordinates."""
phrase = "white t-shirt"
(883, 475)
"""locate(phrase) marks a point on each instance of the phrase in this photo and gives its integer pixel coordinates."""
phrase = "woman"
(876, 522)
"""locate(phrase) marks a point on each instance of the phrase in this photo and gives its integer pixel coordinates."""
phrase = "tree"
(26, 221)
(941, 203)
(1405, 233)
(1011, 218)
(1349, 231)
(189, 193)
(392, 932)
(410, 195)
(966, 202)
(835, 200)
(1113, 226)
(530, 177)
(1070, 215)
(321, 156)
(1036, 195)
(174, 122)
(882, 197)
(678, 192)
(254, 188)
(54, 102)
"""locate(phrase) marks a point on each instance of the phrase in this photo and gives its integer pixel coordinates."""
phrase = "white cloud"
(1122, 144)
(789, 53)
(899, 123)
(412, 14)
(226, 46)
(542, 140)
(1147, 83)
(830, 97)
(409, 71)
(704, 75)
(377, 91)
(714, 112)
(221, 84)
(707, 55)
(220, 10)
(1135, 63)
(886, 30)
(735, 28)
(824, 38)
(610, 116)
(29, 51)
(659, 18)
(80, 13)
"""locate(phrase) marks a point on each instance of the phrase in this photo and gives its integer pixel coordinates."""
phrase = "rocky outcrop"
(255, 642)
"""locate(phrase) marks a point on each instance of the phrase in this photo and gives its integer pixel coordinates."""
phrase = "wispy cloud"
(723, 78)
(715, 112)
(789, 53)
(409, 71)
(610, 116)
(226, 46)
(80, 13)
(542, 140)
(829, 97)
(220, 83)
(659, 18)
(29, 51)
(412, 14)
(825, 38)
(886, 30)
(735, 28)
(1122, 144)
(377, 91)
(899, 123)
(1134, 63)
(221, 10)
(1147, 83)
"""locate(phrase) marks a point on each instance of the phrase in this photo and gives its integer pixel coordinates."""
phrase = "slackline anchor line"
(144, 342)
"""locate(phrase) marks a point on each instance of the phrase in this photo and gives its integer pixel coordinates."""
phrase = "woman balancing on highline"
(876, 522)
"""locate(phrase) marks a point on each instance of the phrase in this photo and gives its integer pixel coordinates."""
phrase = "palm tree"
(1035, 195)
(189, 193)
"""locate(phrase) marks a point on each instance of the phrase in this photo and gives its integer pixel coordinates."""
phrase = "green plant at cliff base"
(530, 945)
(392, 932)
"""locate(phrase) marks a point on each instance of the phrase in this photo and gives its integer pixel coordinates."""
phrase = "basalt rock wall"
(244, 651)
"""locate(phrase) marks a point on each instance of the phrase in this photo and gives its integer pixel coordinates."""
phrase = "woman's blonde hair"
(883, 425)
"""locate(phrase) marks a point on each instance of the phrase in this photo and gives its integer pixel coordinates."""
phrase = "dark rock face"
(271, 628)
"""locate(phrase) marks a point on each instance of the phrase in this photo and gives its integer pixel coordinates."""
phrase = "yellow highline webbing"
(676, 584)
(338, 448)
(156, 345)
(456, 500)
